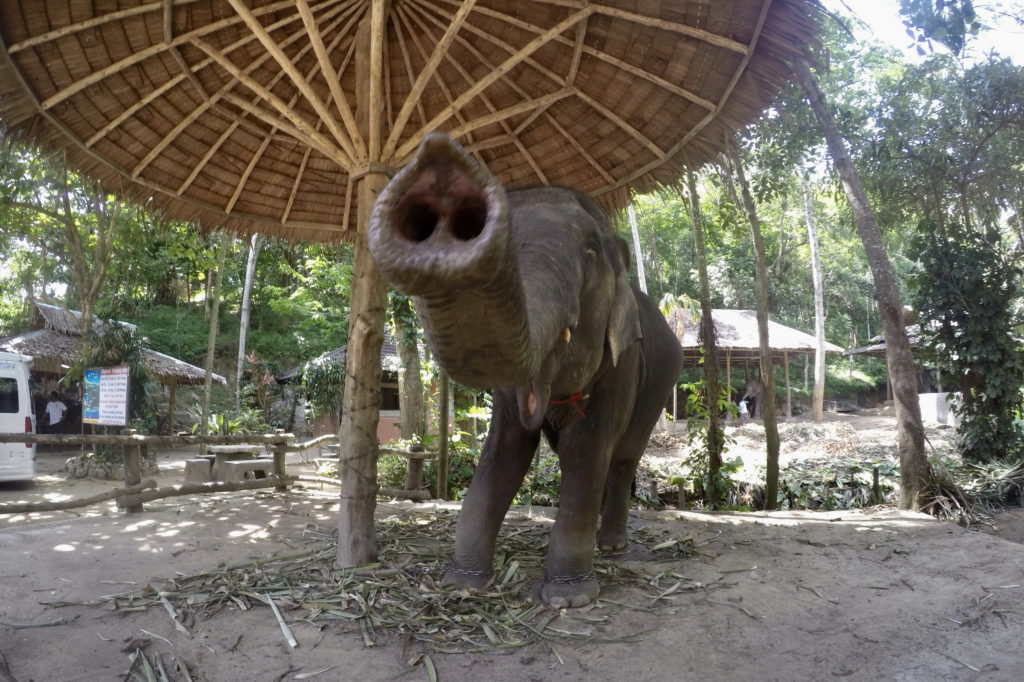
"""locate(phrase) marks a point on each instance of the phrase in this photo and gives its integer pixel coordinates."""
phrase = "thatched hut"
(736, 336)
(55, 343)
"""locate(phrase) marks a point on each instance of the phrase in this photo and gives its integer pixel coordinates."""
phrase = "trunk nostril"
(416, 221)
(468, 218)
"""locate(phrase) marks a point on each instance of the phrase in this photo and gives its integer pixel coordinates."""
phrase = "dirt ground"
(874, 594)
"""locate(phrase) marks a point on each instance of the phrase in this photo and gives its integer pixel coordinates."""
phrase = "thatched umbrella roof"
(251, 114)
(736, 334)
(56, 344)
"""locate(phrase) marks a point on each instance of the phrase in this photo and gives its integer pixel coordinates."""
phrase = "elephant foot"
(569, 591)
(466, 579)
(612, 540)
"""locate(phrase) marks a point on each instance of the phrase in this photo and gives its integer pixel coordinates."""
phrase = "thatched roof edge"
(736, 330)
(784, 36)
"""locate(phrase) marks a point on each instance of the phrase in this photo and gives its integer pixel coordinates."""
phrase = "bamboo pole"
(279, 452)
(442, 434)
(113, 439)
(357, 463)
(170, 407)
(789, 389)
(125, 501)
(728, 373)
(31, 507)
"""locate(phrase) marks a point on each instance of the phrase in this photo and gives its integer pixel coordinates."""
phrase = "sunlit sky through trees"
(886, 26)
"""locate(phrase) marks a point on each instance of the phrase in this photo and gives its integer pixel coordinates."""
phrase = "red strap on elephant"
(573, 400)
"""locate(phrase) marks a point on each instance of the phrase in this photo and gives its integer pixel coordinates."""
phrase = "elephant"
(526, 292)
(752, 394)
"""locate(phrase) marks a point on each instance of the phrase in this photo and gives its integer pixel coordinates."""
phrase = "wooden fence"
(136, 491)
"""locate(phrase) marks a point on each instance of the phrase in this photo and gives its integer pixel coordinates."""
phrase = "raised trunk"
(441, 234)
(915, 471)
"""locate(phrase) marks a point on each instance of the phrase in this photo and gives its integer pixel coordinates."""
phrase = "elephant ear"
(624, 318)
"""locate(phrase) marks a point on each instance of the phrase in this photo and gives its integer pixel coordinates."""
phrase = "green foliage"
(543, 481)
(949, 22)
(702, 483)
(299, 301)
(849, 378)
(179, 331)
(963, 292)
(323, 379)
(830, 488)
(259, 389)
(218, 423)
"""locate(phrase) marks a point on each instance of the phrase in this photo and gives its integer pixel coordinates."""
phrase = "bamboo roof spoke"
(427, 74)
(414, 35)
(259, 115)
(335, 21)
(465, 129)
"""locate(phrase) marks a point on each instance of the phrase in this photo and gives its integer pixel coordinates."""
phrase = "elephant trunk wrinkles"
(440, 233)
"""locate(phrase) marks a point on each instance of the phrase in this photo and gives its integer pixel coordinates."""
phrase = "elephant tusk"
(566, 334)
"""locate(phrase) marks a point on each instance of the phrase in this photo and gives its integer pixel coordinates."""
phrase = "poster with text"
(105, 401)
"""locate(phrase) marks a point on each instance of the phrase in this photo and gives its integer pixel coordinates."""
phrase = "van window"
(8, 395)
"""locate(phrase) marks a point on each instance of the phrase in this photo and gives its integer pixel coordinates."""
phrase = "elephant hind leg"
(611, 536)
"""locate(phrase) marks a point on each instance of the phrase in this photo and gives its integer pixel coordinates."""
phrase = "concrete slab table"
(223, 453)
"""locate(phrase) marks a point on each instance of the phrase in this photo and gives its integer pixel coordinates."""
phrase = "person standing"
(55, 410)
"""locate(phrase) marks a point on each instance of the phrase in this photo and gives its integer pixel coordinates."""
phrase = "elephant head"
(524, 289)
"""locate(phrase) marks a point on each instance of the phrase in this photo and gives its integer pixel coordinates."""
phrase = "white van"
(17, 415)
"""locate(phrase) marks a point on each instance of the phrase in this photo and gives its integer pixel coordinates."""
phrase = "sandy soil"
(861, 595)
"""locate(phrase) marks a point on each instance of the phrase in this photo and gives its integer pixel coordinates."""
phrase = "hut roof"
(246, 115)
(876, 344)
(56, 345)
(736, 332)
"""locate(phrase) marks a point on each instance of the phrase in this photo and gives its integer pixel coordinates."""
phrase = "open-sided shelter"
(288, 117)
(736, 336)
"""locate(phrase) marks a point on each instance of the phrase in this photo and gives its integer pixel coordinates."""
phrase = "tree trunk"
(818, 394)
(640, 273)
(211, 337)
(715, 439)
(915, 471)
(243, 322)
(767, 401)
(413, 415)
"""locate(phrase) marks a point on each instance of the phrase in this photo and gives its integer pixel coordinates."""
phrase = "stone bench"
(235, 470)
(199, 470)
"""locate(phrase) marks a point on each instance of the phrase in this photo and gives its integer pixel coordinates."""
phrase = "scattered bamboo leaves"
(403, 595)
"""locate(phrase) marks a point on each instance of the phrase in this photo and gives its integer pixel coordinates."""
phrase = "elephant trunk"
(440, 233)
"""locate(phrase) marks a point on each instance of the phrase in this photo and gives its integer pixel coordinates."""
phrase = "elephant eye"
(591, 252)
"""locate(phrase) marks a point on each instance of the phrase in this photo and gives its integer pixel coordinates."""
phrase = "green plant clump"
(964, 291)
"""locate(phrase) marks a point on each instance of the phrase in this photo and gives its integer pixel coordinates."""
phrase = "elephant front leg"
(503, 465)
(569, 578)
